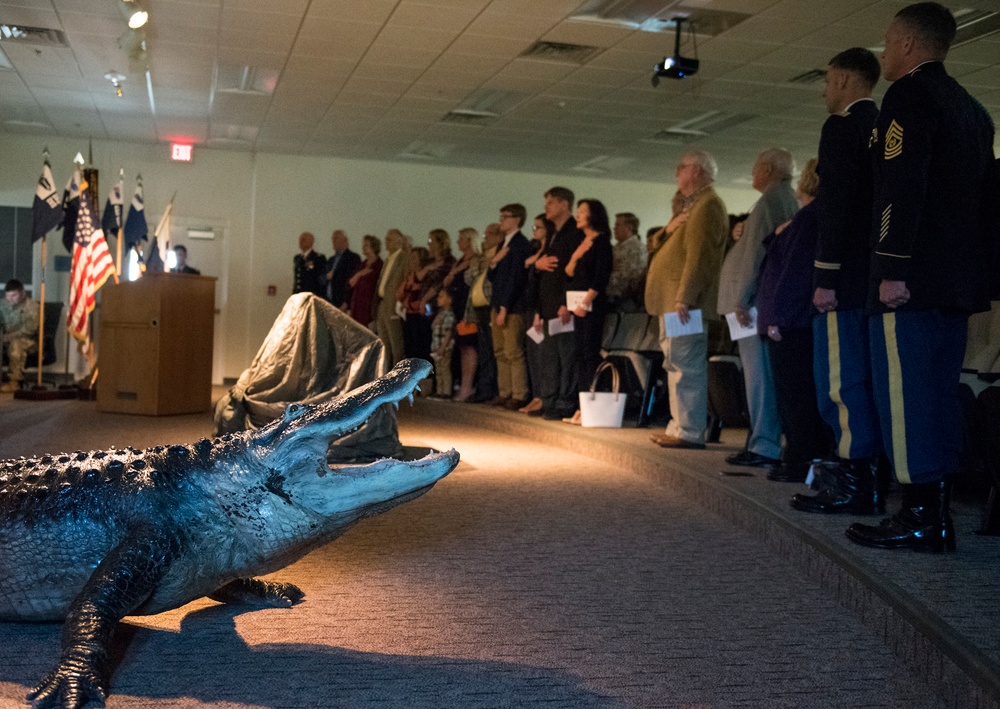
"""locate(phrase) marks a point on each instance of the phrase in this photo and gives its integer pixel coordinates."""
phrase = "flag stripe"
(92, 267)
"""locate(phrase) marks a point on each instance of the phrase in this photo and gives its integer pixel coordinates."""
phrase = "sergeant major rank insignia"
(893, 141)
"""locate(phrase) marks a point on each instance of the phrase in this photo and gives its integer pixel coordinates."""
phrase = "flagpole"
(41, 295)
(121, 223)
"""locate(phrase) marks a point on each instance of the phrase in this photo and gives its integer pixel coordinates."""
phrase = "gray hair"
(781, 161)
(704, 160)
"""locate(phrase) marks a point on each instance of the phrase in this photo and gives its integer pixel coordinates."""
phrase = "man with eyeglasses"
(508, 301)
(684, 276)
(560, 378)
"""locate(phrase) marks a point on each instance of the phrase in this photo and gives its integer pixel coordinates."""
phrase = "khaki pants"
(508, 349)
(389, 328)
(17, 354)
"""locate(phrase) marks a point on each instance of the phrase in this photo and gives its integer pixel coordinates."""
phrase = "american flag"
(92, 266)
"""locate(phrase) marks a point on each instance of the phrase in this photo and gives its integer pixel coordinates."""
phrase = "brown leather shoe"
(515, 404)
(665, 441)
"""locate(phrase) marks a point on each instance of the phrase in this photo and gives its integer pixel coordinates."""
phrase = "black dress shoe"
(923, 524)
(789, 473)
(850, 486)
(537, 412)
(751, 459)
(557, 414)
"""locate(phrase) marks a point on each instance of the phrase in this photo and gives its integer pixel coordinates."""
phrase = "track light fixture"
(116, 80)
(137, 16)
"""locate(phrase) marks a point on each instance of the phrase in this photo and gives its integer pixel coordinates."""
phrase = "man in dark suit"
(509, 278)
(310, 267)
(933, 150)
(559, 368)
(339, 268)
(841, 355)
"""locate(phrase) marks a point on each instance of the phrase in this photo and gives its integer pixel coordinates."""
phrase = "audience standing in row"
(858, 294)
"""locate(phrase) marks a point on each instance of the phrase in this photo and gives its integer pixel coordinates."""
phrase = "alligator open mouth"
(299, 444)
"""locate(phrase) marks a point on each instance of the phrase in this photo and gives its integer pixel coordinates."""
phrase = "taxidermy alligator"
(89, 538)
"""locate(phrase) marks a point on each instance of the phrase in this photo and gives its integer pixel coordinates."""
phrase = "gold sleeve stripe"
(826, 265)
(883, 253)
(833, 354)
(893, 141)
(886, 214)
(897, 406)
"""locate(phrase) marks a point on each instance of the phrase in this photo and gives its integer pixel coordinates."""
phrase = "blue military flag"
(111, 222)
(154, 261)
(47, 211)
(135, 226)
(71, 206)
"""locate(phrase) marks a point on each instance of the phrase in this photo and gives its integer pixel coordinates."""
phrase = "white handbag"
(603, 409)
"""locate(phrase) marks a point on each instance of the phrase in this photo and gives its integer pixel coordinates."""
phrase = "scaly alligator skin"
(90, 538)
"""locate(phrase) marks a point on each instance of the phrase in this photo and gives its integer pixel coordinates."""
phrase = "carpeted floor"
(529, 577)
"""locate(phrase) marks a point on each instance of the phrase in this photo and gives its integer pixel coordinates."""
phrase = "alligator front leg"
(119, 585)
(260, 593)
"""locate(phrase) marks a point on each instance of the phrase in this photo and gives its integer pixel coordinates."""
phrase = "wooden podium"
(156, 340)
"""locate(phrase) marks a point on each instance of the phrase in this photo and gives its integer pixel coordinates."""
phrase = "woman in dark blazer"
(588, 271)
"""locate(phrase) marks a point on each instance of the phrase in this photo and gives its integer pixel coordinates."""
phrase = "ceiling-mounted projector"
(675, 67)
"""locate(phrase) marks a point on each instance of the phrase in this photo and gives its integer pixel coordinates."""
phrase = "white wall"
(260, 203)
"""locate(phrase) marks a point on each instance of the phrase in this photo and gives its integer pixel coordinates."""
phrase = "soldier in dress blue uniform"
(841, 359)
(932, 151)
(310, 267)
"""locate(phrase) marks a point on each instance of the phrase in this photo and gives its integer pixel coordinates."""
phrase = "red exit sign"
(181, 153)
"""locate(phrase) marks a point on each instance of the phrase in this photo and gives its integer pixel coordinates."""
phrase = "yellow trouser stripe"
(833, 354)
(896, 407)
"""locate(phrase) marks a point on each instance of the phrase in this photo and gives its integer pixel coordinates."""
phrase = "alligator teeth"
(396, 404)
(410, 397)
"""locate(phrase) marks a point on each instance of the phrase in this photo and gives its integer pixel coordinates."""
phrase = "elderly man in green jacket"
(684, 276)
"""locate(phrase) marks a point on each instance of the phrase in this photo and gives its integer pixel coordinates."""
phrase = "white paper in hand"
(674, 328)
(737, 331)
(557, 328)
(535, 335)
(574, 299)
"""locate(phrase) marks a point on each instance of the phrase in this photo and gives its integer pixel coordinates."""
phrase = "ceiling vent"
(32, 35)
(973, 24)
(232, 135)
(657, 16)
(466, 117)
(701, 126)
(482, 107)
(808, 77)
(560, 52)
(245, 79)
(425, 150)
(603, 164)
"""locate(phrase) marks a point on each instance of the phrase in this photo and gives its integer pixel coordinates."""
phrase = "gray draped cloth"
(313, 353)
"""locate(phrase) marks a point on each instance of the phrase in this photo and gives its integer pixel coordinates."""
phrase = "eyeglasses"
(537, 227)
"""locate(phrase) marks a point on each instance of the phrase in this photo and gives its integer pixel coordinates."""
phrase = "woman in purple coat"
(784, 320)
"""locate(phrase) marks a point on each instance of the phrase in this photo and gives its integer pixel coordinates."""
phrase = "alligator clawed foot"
(260, 593)
(68, 688)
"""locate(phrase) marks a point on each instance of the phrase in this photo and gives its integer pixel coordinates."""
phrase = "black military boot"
(923, 524)
(851, 486)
